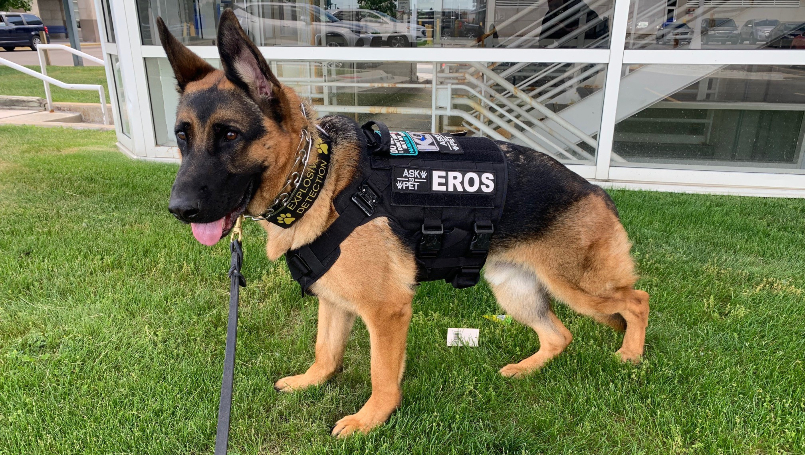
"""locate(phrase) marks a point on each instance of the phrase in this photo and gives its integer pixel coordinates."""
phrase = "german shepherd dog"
(238, 130)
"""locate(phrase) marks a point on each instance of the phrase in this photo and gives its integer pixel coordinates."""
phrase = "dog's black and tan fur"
(560, 236)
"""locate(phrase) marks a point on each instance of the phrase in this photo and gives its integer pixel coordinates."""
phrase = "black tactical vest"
(443, 195)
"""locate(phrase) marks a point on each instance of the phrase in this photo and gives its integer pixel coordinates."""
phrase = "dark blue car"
(20, 30)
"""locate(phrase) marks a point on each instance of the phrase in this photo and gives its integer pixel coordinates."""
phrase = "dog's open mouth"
(210, 233)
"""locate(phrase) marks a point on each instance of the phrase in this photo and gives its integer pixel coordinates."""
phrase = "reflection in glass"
(446, 23)
(107, 19)
(569, 19)
(123, 108)
(711, 24)
(553, 108)
(708, 115)
(787, 35)
(295, 24)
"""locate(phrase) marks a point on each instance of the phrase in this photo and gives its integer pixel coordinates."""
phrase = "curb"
(26, 103)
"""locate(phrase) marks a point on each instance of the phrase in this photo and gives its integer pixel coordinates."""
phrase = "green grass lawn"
(113, 320)
(12, 82)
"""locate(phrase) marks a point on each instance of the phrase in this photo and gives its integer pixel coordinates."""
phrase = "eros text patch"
(407, 179)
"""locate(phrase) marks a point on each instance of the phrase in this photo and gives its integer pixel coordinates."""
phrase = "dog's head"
(237, 130)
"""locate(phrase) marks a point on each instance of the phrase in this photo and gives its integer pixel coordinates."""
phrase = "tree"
(384, 6)
(6, 5)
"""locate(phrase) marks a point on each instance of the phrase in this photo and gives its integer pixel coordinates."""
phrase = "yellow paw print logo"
(323, 149)
(285, 218)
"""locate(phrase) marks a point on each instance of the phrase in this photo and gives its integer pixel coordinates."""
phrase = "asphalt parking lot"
(25, 56)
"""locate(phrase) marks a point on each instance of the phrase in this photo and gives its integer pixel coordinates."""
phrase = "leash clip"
(237, 230)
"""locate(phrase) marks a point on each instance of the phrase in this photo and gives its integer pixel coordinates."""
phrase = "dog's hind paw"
(514, 370)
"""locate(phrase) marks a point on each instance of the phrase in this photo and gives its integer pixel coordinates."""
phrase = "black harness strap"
(376, 141)
(432, 232)
(225, 405)
(310, 262)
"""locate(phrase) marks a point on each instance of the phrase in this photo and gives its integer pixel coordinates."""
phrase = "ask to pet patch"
(407, 179)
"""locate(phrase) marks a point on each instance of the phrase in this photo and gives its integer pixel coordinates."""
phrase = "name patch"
(414, 180)
(405, 143)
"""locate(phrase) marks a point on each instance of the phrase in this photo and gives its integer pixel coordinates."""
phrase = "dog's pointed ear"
(244, 65)
(187, 66)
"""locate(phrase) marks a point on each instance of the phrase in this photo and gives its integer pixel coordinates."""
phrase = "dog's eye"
(231, 135)
(181, 136)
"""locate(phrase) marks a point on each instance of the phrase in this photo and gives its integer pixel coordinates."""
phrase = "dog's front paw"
(354, 423)
(626, 356)
(374, 413)
(294, 383)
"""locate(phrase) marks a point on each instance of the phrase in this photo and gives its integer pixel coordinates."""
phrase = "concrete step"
(90, 112)
(28, 103)
(65, 117)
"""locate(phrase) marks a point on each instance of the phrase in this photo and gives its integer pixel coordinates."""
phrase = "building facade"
(52, 14)
(685, 95)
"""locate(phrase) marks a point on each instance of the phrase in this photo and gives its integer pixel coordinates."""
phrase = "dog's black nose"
(184, 210)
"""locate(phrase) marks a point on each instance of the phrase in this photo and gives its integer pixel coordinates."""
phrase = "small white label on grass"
(462, 337)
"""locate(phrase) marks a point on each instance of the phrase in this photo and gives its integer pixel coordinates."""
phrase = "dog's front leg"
(388, 329)
(335, 323)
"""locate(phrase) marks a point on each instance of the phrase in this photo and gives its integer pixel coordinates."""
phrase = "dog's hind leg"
(631, 304)
(334, 326)
(520, 293)
(584, 261)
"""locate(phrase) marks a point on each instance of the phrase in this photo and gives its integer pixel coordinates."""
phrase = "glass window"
(474, 23)
(30, 19)
(714, 24)
(562, 119)
(123, 107)
(735, 116)
(110, 23)
(15, 20)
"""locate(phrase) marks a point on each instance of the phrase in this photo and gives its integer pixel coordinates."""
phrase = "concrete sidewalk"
(8, 113)
(48, 119)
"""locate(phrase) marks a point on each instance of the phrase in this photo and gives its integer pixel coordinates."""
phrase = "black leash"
(237, 280)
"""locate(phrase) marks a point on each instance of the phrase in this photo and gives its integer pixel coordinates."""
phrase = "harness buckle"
(431, 241)
(482, 238)
(297, 264)
(366, 199)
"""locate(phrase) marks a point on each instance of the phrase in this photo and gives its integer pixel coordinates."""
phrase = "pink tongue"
(208, 233)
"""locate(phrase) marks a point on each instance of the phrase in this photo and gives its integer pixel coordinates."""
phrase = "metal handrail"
(49, 80)
(70, 50)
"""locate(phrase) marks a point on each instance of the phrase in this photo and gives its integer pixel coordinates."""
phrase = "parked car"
(466, 29)
(452, 23)
(720, 30)
(669, 32)
(393, 32)
(783, 36)
(275, 23)
(757, 30)
(21, 29)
